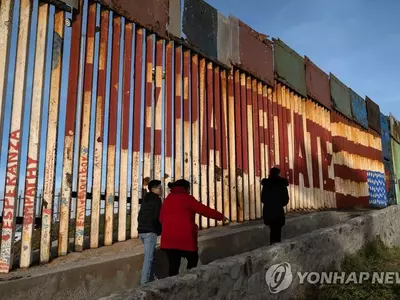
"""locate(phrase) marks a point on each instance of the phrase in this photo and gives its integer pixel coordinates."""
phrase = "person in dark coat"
(149, 227)
(275, 197)
(179, 235)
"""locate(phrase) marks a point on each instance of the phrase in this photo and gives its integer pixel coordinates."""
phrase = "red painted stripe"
(217, 107)
(286, 121)
(126, 87)
(158, 98)
(238, 123)
(342, 144)
(148, 93)
(138, 89)
(168, 99)
(186, 107)
(204, 126)
(101, 87)
(112, 127)
(224, 116)
(88, 80)
(281, 133)
(271, 134)
(300, 161)
(346, 173)
(74, 75)
(245, 99)
(261, 131)
(195, 89)
(210, 108)
(256, 130)
(347, 201)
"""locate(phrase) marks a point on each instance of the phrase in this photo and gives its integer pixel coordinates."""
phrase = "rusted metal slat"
(6, 10)
(258, 146)
(232, 125)
(136, 131)
(204, 139)
(276, 134)
(225, 146)
(245, 143)
(239, 149)
(218, 132)
(148, 113)
(84, 134)
(291, 108)
(265, 128)
(125, 121)
(112, 133)
(194, 80)
(15, 137)
(76, 73)
(34, 138)
(251, 84)
(169, 124)
(99, 131)
(187, 131)
(178, 114)
(271, 128)
(211, 140)
(158, 109)
(52, 124)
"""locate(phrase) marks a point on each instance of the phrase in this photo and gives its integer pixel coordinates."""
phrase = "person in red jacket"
(179, 234)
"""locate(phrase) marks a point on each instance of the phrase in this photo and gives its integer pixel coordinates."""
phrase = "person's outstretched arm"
(204, 210)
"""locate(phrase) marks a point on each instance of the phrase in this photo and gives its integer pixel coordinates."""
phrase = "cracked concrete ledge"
(96, 273)
(243, 276)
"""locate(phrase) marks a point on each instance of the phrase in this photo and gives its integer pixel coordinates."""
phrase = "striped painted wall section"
(304, 150)
(358, 167)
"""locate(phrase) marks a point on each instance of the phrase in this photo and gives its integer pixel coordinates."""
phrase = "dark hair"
(181, 183)
(153, 184)
(274, 171)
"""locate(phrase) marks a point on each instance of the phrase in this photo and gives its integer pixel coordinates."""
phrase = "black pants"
(275, 234)
(174, 259)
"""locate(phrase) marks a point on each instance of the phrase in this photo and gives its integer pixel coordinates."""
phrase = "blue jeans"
(149, 241)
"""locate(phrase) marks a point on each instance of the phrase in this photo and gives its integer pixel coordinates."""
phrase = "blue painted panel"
(377, 189)
(359, 109)
(385, 136)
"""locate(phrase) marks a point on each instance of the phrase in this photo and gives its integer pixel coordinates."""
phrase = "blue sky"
(357, 40)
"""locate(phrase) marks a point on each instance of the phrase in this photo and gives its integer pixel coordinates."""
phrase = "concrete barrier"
(243, 276)
(103, 273)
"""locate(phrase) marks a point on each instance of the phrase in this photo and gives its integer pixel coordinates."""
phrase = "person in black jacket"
(149, 227)
(275, 197)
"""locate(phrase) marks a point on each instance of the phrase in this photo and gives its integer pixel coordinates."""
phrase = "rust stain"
(218, 173)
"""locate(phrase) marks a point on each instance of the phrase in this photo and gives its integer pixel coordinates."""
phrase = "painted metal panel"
(175, 18)
(235, 48)
(34, 138)
(195, 119)
(373, 111)
(218, 176)
(251, 84)
(6, 10)
(385, 136)
(125, 121)
(245, 97)
(390, 181)
(151, 14)
(224, 39)
(231, 134)
(15, 137)
(358, 109)
(238, 144)
(377, 189)
(211, 139)
(76, 74)
(340, 96)
(158, 114)
(225, 145)
(289, 67)
(394, 128)
(396, 168)
(317, 84)
(187, 129)
(178, 174)
(256, 56)
(50, 166)
(99, 130)
(200, 26)
(85, 131)
(137, 124)
(257, 93)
